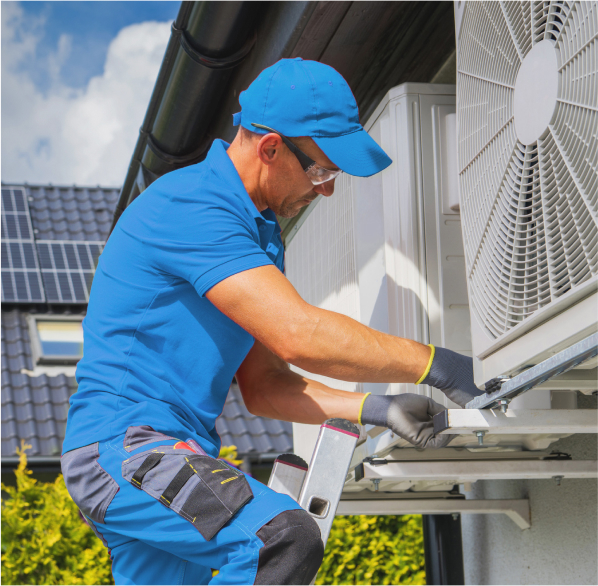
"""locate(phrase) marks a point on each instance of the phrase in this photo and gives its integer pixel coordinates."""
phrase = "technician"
(189, 292)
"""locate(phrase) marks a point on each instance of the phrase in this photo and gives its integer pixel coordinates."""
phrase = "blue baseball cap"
(297, 97)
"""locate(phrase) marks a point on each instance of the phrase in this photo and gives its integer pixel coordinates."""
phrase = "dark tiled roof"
(72, 213)
(33, 408)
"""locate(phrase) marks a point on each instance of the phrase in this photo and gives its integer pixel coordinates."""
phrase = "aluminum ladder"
(318, 488)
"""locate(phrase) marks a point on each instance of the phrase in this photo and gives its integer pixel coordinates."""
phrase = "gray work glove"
(452, 373)
(408, 415)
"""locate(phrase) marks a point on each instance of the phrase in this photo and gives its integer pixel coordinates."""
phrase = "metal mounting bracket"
(462, 471)
(508, 388)
(493, 421)
(518, 510)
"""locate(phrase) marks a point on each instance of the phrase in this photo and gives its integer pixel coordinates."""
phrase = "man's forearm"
(337, 346)
(265, 304)
(288, 396)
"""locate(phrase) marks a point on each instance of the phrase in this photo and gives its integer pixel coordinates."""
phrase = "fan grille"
(530, 212)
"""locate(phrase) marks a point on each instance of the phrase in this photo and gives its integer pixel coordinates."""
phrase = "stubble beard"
(290, 210)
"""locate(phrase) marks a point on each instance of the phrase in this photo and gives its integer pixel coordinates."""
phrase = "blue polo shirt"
(156, 351)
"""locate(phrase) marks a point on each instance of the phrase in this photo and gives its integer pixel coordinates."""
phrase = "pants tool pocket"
(204, 491)
(89, 485)
(140, 435)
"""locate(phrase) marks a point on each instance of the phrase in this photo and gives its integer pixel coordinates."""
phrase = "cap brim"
(356, 153)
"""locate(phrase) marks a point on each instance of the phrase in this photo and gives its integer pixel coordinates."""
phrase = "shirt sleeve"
(206, 244)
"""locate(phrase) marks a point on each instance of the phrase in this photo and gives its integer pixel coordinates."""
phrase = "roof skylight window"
(56, 339)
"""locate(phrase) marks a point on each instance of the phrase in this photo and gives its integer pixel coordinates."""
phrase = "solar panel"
(21, 277)
(68, 268)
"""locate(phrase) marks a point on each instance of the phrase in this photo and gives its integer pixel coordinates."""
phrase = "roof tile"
(8, 412)
(6, 389)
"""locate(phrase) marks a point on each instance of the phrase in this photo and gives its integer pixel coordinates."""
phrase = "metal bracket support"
(518, 510)
(553, 366)
(462, 471)
(494, 421)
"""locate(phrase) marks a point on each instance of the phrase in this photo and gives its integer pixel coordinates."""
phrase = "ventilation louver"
(528, 155)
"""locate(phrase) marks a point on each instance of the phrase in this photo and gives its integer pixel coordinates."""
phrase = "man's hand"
(408, 415)
(452, 373)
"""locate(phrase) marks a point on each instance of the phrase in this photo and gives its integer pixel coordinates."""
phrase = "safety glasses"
(315, 172)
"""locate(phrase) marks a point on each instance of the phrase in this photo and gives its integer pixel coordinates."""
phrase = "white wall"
(561, 546)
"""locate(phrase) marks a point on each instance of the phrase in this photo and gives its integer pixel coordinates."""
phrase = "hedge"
(373, 549)
(44, 540)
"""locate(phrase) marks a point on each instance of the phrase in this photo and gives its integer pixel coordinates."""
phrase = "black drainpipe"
(443, 547)
(208, 41)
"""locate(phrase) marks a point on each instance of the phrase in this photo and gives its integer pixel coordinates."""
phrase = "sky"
(76, 81)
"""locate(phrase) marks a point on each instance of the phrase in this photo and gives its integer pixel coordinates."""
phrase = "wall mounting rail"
(509, 388)
(518, 510)
(460, 472)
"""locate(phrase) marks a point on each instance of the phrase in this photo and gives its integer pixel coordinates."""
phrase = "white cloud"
(64, 135)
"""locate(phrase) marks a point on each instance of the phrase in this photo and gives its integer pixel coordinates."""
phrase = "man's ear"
(268, 148)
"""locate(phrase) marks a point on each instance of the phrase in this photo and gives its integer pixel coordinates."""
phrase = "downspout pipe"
(209, 40)
(443, 549)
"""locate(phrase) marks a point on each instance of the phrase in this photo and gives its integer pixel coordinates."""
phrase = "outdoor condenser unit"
(481, 237)
(387, 250)
(527, 132)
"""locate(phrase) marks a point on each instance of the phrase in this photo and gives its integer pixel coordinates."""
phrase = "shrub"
(44, 541)
(380, 549)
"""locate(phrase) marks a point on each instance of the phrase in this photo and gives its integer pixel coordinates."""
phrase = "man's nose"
(326, 189)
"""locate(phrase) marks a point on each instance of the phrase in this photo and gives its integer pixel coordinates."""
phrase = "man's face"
(287, 188)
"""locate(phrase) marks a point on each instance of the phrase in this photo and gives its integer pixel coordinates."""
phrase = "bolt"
(376, 482)
(455, 516)
(503, 404)
(557, 479)
(480, 435)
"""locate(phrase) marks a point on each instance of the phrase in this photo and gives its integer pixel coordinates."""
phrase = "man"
(190, 292)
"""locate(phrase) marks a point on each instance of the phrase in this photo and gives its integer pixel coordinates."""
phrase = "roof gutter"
(218, 48)
(208, 41)
(39, 464)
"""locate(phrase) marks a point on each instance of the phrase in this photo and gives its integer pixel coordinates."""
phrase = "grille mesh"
(321, 264)
(320, 260)
(530, 213)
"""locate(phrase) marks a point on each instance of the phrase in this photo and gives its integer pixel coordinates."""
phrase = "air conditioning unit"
(481, 236)
(387, 250)
(527, 131)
